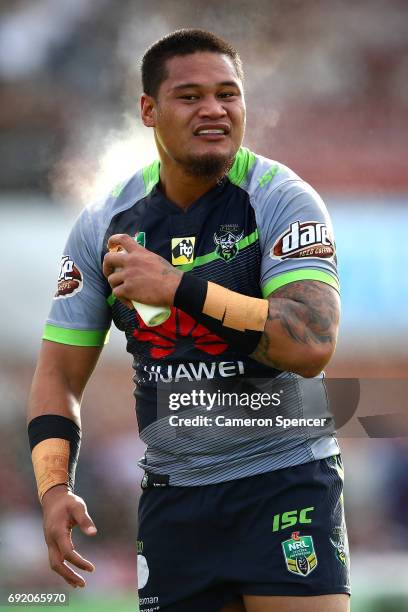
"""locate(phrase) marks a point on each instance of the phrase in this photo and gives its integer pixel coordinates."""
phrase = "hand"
(62, 511)
(139, 275)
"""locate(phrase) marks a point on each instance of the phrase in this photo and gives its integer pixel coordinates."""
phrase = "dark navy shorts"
(279, 533)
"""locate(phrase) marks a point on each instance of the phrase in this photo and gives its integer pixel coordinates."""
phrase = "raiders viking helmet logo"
(227, 245)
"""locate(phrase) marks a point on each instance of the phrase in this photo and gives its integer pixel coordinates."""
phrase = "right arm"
(59, 381)
(60, 378)
(74, 335)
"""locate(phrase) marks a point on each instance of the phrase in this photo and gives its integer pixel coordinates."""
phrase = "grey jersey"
(260, 228)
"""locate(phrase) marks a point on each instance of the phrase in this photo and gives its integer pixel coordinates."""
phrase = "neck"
(183, 189)
(177, 185)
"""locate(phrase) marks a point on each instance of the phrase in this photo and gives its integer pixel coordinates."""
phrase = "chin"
(212, 164)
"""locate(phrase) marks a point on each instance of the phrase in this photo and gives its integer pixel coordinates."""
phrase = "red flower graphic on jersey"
(179, 328)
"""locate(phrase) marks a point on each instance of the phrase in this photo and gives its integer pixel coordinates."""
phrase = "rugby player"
(242, 251)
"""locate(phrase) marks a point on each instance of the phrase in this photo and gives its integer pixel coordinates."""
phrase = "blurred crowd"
(332, 73)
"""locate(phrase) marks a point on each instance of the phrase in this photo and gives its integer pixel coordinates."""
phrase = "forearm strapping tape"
(54, 442)
(237, 318)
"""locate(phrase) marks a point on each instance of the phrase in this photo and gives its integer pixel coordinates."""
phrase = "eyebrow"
(195, 85)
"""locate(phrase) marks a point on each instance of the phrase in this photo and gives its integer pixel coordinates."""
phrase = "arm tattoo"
(169, 270)
(308, 312)
(261, 353)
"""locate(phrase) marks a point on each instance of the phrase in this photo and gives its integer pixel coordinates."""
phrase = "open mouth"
(210, 131)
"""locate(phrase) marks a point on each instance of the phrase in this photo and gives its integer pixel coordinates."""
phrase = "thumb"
(83, 520)
(123, 240)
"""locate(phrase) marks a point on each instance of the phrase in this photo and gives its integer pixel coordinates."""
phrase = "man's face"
(199, 114)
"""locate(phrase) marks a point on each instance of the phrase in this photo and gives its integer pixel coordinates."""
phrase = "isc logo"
(309, 239)
(292, 517)
(182, 250)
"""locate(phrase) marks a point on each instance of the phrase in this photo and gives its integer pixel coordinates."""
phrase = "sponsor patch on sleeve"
(70, 279)
(304, 239)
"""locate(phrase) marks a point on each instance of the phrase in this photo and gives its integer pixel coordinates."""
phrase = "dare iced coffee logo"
(308, 239)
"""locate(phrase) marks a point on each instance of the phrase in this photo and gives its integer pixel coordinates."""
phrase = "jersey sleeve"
(296, 238)
(80, 314)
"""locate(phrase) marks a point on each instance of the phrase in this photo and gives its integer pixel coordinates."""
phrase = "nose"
(212, 108)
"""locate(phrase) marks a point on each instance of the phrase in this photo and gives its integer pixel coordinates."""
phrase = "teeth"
(211, 132)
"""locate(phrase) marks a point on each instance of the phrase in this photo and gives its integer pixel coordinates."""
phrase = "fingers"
(57, 530)
(125, 241)
(58, 565)
(79, 561)
(83, 520)
(62, 550)
(116, 258)
(116, 282)
(115, 279)
(120, 293)
(112, 262)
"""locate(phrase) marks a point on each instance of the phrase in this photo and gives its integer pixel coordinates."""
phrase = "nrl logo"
(227, 245)
(300, 555)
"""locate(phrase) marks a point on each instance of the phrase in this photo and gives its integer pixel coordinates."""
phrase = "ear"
(148, 110)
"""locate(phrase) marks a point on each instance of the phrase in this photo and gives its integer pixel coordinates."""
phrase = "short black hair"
(182, 42)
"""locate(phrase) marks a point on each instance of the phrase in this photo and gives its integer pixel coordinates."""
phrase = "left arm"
(301, 329)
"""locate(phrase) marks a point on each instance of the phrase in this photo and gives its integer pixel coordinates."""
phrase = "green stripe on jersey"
(151, 175)
(76, 337)
(205, 259)
(244, 160)
(201, 260)
(298, 275)
(117, 190)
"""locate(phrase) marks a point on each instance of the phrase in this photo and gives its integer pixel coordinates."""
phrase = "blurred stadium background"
(327, 94)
